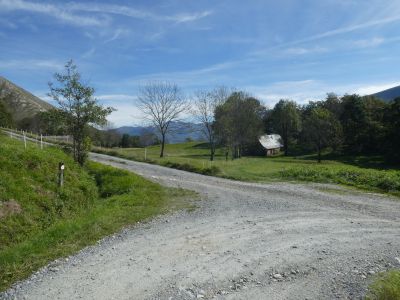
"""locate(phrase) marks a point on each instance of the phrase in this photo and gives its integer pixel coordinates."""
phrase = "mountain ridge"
(388, 94)
(19, 102)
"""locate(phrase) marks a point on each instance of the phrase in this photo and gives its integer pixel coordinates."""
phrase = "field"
(368, 173)
(40, 222)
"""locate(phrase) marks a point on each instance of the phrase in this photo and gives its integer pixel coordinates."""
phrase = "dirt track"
(246, 241)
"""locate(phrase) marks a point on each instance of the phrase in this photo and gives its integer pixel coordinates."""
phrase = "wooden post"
(61, 168)
(41, 141)
(145, 153)
(25, 139)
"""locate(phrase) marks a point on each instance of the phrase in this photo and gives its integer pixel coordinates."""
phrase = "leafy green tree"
(285, 119)
(362, 119)
(392, 142)
(321, 129)
(77, 108)
(239, 122)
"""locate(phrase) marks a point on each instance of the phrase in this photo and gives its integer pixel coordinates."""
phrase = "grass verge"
(385, 287)
(50, 223)
(366, 173)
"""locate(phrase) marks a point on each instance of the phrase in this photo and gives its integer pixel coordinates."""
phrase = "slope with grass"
(40, 222)
(368, 173)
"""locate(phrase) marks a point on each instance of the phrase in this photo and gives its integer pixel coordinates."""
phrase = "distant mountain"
(179, 132)
(19, 102)
(389, 94)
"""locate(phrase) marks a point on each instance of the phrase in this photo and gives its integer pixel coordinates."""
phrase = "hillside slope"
(40, 222)
(19, 102)
(389, 94)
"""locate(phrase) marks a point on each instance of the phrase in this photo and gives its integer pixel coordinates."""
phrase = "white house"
(271, 142)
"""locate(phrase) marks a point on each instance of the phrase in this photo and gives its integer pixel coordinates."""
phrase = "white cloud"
(190, 17)
(51, 10)
(374, 88)
(131, 12)
(126, 115)
(369, 43)
(303, 51)
(30, 64)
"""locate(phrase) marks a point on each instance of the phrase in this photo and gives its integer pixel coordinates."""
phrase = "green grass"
(368, 173)
(95, 202)
(385, 287)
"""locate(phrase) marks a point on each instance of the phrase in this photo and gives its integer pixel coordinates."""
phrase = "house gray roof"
(271, 141)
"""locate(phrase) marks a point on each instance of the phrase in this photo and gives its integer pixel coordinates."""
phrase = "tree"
(239, 122)
(205, 103)
(321, 129)
(286, 121)
(161, 104)
(362, 119)
(77, 108)
(392, 141)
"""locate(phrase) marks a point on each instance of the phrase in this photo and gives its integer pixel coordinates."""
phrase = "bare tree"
(162, 103)
(205, 103)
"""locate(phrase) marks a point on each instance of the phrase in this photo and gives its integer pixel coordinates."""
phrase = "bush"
(385, 181)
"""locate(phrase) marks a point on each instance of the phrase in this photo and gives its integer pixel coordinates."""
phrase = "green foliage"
(285, 119)
(54, 223)
(378, 180)
(77, 108)
(392, 124)
(29, 177)
(129, 141)
(385, 287)
(6, 119)
(369, 173)
(321, 129)
(239, 122)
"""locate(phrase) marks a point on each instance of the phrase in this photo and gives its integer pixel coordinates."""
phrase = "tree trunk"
(212, 153)
(162, 145)
(319, 153)
(212, 149)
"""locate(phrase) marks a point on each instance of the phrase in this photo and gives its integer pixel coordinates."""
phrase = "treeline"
(348, 125)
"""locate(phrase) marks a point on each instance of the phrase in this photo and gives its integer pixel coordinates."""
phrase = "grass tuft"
(385, 287)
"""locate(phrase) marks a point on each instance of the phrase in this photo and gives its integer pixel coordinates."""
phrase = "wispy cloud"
(304, 50)
(61, 14)
(369, 43)
(30, 64)
(375, 88)
(190, 17)
(118, 33)
(132, 12)
(347, 29)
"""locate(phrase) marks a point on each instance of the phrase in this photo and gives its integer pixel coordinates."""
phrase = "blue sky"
(298, 49)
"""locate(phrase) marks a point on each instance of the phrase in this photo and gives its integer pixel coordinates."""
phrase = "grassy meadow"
(368, 173)
(40, 222)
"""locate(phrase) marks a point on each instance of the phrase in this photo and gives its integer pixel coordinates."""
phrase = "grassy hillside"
(363, 172)
(39, 222)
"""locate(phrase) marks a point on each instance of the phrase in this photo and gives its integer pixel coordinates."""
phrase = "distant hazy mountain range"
(389, 94)
(179, 131)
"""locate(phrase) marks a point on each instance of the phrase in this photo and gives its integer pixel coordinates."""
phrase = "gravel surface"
(245, 241)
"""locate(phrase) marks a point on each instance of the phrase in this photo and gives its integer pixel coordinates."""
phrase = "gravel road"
(245, 241)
